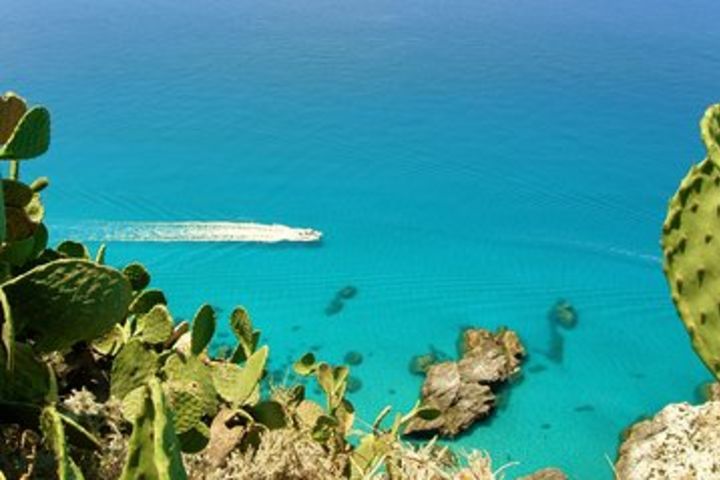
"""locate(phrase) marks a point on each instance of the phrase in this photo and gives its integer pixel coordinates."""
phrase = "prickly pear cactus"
(248, 337)
(203, 329)
(154, 449)
(12, 108)
(235, 384)
(147, 299)
(67, 301)
(134, 366)
(29, 381)
(138, 276)
(156, 326)
(195, 376)
(54, 435)
(30, 137)
(690, 237)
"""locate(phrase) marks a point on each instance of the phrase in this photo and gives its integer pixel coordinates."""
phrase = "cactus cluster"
(690, 237)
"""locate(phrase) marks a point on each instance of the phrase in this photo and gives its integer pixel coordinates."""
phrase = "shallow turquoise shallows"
(469, 162)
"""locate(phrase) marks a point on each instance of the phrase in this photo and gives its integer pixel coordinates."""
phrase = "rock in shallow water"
(680, 442)
(462, 390)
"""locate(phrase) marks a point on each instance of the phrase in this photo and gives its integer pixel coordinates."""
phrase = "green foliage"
(203, 329)
(31, 136)
(146, 300)
(156, 326)
(71, 249)
(236, 385)
(248, 337)
(29, 381)
(154, 449)
(690, 246)
(66, 301)
(133, 367)
(137, 275)
(52, 427)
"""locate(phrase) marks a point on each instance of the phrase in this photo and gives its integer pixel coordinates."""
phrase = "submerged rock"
(463, 390)
(546, 474)
(334, 307)
(346, 293)
(682, 441)
(353, 358)
(354, 384)
(563, 314)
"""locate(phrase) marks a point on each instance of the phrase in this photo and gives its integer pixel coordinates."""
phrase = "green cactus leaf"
(269, 413)
(138, 276)
(153, 448)
(235, 384)
(196, 376)
(31, 136)
(307, 365)
(710, 132)
(186, 401)
(692, 259)
(39, 184)
(203, 329)
(12, 109)
(248, 338)
(100, 255)
(134, 366)
(7, 334)
(156, 326)
(54, 435)
(67, 301)
(110, 343)
(16, 194)
(146, 300)
(72, 249)
(132, 403)
(196, 439)
(29, 381)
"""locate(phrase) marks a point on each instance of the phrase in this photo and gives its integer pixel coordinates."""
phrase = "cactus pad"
(156, 326)
(235, 384)
(690, 237)
(67, 301)
(12, 108)
(147, 299)
(248, 338)
(196, 377)
(72, 249)
(138, 276)
(31, 136)
(154, 449)
(16, 194)
(186, 402)
(54, 434)
(203, 329)
(29, 381)
(134, 366)
(710, 132)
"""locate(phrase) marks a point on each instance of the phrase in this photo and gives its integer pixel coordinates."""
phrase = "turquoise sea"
(469, 162)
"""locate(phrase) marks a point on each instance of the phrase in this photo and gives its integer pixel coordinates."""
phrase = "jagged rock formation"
(463, 390)
(680, 442)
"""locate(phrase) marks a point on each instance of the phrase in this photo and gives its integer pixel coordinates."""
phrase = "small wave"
(186, 232)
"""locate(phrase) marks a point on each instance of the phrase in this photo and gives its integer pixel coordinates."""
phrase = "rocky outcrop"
(463, 390)
(680, 442)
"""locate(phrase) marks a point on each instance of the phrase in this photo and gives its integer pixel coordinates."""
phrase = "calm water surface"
(470, 162)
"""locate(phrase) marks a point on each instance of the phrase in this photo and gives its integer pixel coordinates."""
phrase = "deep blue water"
(469, 162)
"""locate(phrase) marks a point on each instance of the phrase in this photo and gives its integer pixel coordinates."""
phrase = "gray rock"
(680, 442)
